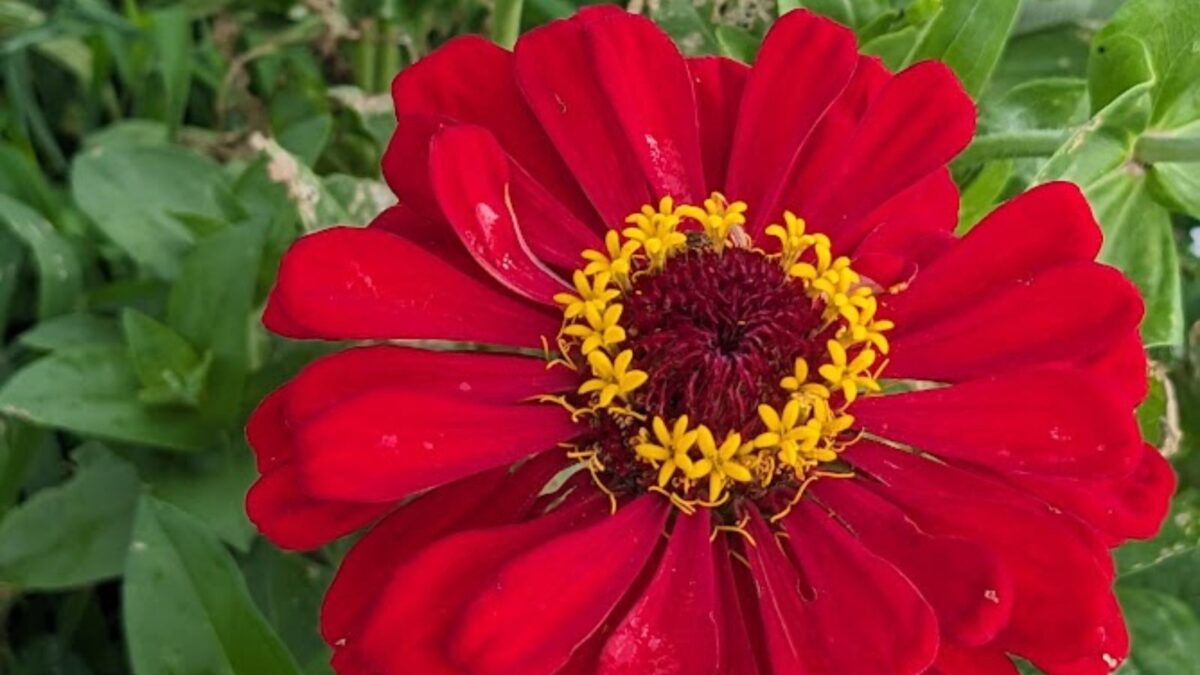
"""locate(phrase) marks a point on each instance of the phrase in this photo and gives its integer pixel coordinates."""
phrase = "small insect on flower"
(748, 404)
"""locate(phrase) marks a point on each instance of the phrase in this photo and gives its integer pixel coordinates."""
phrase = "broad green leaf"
(681, 19)
(983, 193)
(317, 207)
(75, 533)
(11, 257)
(374, 111)
(94, 390)
(186, 605)
(1177, 184)
(737, 43)
(362, 198)
(210, 306)
(306, 138)
(60, 282)
(1163, 633)
(1138, 234)
(1139, 240)
(19, 445)
(211, 486)
(71, 330)
(969, 36)
(1168, 562)
(171, 29)
(1170, 31)
(853, 13)
(170, 370)
(893, 48)
(1061, 51)
(289, 588)
(132, 192)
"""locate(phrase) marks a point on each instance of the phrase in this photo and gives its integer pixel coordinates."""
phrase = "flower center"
(712, 371)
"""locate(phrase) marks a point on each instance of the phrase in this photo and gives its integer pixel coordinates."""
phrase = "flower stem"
(1152, 148)
(506, 22)
(1006, 145)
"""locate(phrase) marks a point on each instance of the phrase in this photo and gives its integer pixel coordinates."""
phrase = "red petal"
(918, 223)
(555, 71)
(540, 606)
(1049, 225)
(1066, 313)
(1124, 367)
(405, 162)
(789, 628)
(648, 87)
(868, 616)
(1126, 507)
(350, 283)
(435, 236)
(392, 442)
(964, 661)
(718, 83)
(470, 177)
(267, 433)
(479, 376)
(1061, 572)
(1053, 422)
(957, 577)
(824, 151)
(776, 118)
(281, 508)
(736, 615)
(673, 628)
(417, 611)
(470, 79)
(1114, 647)
(484, 500)
(919, 120)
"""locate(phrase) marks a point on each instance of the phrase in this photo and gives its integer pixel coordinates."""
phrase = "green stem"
(1155, 149)
(506, 22)
(1007, 145)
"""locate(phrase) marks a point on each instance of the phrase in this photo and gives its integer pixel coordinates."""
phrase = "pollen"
(712, 371)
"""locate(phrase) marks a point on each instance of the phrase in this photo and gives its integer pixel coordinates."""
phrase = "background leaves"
(156, 158)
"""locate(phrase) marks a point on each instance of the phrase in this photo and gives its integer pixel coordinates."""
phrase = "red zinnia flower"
(848, 442)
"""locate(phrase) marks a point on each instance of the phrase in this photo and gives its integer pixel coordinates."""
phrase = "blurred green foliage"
(157, 157)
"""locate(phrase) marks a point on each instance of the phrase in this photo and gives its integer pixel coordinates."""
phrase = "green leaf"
(132, 192)
(893, 48)
(1061, 51)
(361, 198)
(374, 111)
(186, 605)
(681, 20)
(211, 486)
(210, 305)
(60, 282)
(75, 533)
(1168, 562)
(71, 330)
(317, 207)
(94, 391)
(171, 30)
(19, 446)
(737, 43)
(11, 257)
(969, 36)
(1139, 240)
(289, 588)
(1163, 633)
(306, 138)
(1170, 31)
(982, 193)
(853, 13)
(170, 370)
